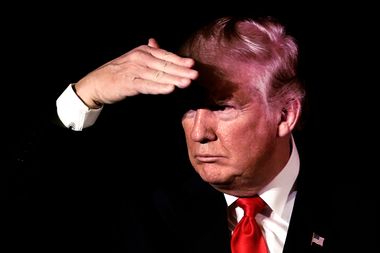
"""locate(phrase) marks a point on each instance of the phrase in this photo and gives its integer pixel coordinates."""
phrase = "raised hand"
(146, 69)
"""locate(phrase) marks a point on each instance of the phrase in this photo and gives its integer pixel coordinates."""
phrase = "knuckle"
(159, 74)
(137, 54)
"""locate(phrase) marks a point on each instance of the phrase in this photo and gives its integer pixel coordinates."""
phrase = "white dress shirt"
(279, 196)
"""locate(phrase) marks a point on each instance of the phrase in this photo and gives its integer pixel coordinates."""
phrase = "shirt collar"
(276, 193)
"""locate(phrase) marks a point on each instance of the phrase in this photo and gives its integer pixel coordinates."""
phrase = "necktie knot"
(251, 206)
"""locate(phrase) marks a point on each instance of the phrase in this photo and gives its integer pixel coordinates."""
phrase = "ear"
(289, 117)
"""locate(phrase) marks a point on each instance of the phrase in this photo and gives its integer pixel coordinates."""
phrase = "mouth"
(207, 158)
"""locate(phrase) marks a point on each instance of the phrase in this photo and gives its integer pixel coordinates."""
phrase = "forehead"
(225, 79)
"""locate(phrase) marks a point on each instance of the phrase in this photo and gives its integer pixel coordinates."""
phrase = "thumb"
(153, 43)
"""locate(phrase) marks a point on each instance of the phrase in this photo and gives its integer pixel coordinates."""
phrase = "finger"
(147, 59)
(144, 86)
(171, 57)
(153, 43)
(164, 78)
(173, 69)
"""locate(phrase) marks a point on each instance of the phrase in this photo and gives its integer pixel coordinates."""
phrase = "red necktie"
(247, 236)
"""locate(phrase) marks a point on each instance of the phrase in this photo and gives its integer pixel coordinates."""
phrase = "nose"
(203, 129)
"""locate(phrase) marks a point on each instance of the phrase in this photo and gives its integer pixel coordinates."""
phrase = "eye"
(226, 112)
(227, 107)
(222, 107)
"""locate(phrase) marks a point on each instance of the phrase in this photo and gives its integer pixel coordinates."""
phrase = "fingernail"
(184, 82)
(190, 62)
(193, 74)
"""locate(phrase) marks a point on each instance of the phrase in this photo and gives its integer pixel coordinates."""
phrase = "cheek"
(240, 146)
(247, 143)
(237, 142)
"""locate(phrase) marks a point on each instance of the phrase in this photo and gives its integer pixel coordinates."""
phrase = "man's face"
(231, 134)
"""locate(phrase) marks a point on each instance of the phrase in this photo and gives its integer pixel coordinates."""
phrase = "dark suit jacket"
(73, 192)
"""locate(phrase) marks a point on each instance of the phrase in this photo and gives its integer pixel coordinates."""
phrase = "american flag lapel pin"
(317, 239)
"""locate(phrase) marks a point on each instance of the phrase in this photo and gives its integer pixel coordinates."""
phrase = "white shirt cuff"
(73, 112)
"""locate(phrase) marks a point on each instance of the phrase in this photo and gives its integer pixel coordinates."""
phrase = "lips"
(206, 158)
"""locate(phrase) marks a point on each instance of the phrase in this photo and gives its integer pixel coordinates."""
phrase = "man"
(236, 83)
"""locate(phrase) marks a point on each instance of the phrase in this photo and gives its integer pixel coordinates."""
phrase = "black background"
(47, 46)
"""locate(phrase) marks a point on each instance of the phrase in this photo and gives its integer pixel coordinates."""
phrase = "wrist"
(90, 103)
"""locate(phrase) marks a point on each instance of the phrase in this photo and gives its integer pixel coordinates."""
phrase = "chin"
(215, 177)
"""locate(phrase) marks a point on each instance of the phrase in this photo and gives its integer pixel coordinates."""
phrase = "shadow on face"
(207, 92)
